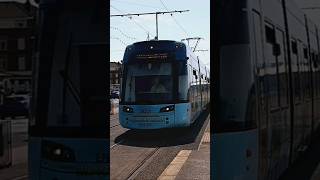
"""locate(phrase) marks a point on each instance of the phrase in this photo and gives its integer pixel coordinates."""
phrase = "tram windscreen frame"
(175, 82)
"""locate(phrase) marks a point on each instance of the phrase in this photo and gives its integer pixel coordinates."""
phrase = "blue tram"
(164, 86)
(267, 87)
(68, 109)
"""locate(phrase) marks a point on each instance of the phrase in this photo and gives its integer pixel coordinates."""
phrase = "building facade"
(17, 38)
(115, 75)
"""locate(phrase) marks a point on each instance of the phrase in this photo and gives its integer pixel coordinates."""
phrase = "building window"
(3, 44)
(21, 44)
(3, 62)
(22, 63)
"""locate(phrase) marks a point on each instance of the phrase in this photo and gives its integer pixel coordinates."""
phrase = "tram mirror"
(276, 49)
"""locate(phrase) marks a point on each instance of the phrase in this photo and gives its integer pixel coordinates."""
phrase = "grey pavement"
(19, 167)
(197, 165)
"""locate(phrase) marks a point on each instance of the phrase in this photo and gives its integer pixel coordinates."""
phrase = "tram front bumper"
(147, 121)
(154, 116)
(150, 121)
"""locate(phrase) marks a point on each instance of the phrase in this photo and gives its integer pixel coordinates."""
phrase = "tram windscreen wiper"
(70, 86)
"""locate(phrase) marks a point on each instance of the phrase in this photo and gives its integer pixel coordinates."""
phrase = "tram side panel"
(272, 77)
(313, 50)
(301, 89)
(314, 63)
(235, 117)
(271, 83)
(317, 82)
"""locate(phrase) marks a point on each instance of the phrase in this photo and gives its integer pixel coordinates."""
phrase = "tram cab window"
(148, 83)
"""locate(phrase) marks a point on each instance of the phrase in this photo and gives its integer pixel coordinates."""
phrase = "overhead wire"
(116, 38)
(146, 31)
(183, 29)
(124, 34)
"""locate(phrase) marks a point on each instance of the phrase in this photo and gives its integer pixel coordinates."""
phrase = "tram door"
(260, 83)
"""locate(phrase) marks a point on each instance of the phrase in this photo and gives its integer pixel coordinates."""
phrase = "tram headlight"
(57, 152)
(127, 109)
(167, 108)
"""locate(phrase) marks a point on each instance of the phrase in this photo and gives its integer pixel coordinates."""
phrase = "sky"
(125, 31)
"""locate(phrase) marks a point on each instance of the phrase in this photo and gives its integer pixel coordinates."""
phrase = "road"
(145, 155)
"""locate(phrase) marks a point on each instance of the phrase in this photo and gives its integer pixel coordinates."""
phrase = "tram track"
(135, 164)
(142, 164)
(139, 158)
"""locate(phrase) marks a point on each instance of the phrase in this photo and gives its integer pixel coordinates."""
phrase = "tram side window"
(202, 88)
(270, 34)
(282, 68)
(295, 70)
(303, 72)
(194, 88)
(317, 74)
(183, 81)
(308, 77)
(271, 66)
(305, 53)
(316, 67)
(313, 64)
(191, 89)
(197, 87)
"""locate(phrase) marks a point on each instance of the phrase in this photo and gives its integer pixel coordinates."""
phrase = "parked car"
(14, 106)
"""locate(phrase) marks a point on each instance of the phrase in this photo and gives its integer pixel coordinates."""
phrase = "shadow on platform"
(164, 137)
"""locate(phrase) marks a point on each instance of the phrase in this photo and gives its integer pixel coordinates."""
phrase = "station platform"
(191, 164)
(197, 165)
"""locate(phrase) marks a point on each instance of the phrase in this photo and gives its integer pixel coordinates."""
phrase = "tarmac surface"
(146, 155)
